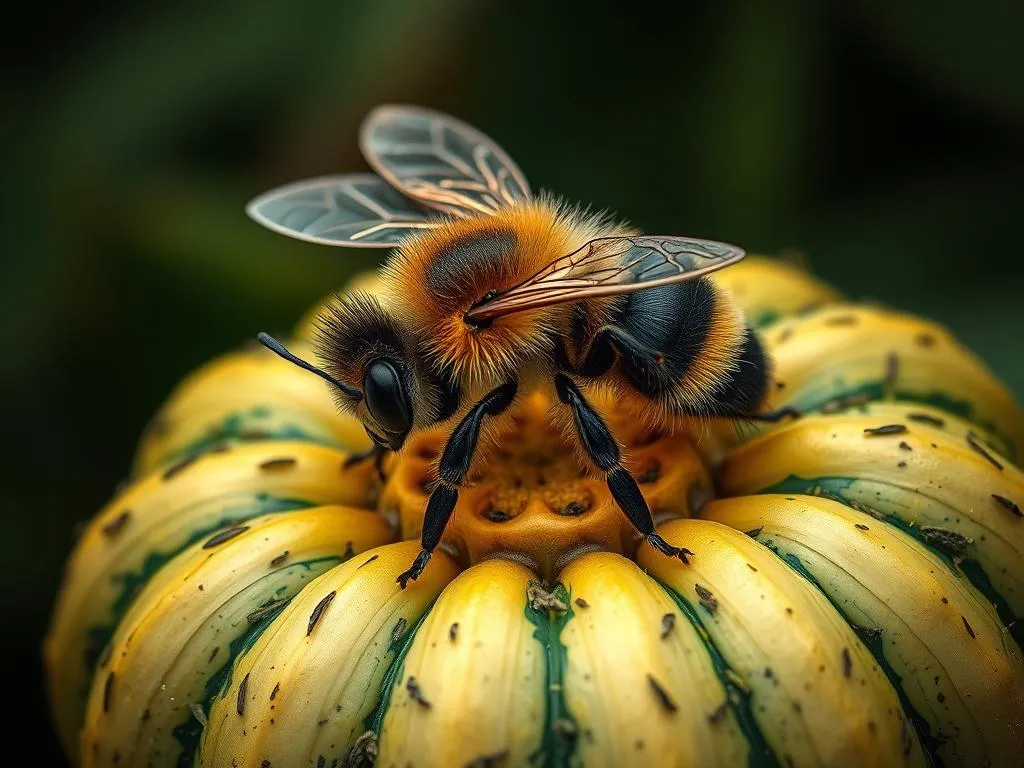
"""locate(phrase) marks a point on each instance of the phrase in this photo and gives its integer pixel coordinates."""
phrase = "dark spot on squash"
(116, 525)
(980, 449)
(887, 429)
(416, 693)
(662, 695)
(318, 611)
(226, 535)
(1007, 504)
(277, 465)
(240, 701)
(179, 466)
(279, 560)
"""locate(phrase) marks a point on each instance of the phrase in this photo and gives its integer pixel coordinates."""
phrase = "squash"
(854, 597)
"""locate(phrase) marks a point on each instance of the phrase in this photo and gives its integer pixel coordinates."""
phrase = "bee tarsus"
(377, 453)
(452, 468)
(415, 570)
(772, 417)
(603, 450)
(656, 541)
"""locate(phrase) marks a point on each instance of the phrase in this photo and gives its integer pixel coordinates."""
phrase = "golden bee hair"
(435, 277)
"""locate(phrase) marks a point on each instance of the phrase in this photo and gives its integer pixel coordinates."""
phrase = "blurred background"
(883, 142)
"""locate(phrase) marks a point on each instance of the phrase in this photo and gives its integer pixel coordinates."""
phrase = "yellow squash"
(175, 645)
(246, 396)
(818, 696)
(158, 516)
(954, 492)
(476, 652)
(306, 688)
(947, 650)
(849, 353)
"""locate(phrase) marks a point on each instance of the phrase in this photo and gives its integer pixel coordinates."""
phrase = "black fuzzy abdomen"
(675, 325)
(672, 321)
(744, 389)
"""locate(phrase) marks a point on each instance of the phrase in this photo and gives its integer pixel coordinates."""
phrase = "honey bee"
(493, 291)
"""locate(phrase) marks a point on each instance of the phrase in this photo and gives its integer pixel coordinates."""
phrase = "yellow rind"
(245, 396)
(846, 350)
(308, 692)
(968, 685)
(819, 697)
(616, 642)
(177, 634)
(768, 290)
(483, 681)
(936, 481)
(164, 515)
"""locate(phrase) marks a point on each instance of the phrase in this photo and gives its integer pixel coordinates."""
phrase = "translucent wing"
(608, 266)
(356, 210)
(440, 161)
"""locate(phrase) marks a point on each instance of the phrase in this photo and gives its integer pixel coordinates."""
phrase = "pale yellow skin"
(490, 665)
(937, 480)
(611, 696)
(164, 515)
(327, 680)
(840, 348)
(967, 687)
(246, 396)
(178, 632)
(821, 697)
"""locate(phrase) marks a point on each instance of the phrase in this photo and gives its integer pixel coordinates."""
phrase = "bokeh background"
(880, 141)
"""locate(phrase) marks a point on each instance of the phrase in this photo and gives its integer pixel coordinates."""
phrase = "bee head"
(379, 370)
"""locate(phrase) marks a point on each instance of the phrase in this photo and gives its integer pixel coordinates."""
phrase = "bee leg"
(772, 417)
(599, 444)
(455, 460)
(377, 453)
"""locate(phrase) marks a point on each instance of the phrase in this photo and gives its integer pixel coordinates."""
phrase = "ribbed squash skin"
(852, 600)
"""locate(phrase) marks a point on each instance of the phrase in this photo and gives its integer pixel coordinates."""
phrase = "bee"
(492, 291)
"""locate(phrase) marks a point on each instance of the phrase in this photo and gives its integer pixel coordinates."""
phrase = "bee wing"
(608, 266)
(357, 210)
(440, 161)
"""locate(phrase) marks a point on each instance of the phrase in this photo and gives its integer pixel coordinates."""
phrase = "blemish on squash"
(279, 560)
(668, 623)
(318, 611)
(416, 693)
(226, 535)
(277, 464)
(115, 526)
(240, 701)
(662, 695)
(707, 599)
(1007, 504)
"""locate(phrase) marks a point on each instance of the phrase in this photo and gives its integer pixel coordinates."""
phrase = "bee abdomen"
(744, 387)
(693, 351)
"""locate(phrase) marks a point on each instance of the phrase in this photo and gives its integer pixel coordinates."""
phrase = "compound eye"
(386, 398)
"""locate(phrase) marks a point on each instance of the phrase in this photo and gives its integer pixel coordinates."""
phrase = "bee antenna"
(278, 349)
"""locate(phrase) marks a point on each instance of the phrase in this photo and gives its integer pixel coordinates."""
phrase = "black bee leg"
(455, 459)
(773, 417)
(377, 453)
(599, 444)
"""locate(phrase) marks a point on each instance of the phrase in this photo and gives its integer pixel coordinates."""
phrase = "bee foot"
(665, 548)
(773, 417)
(417, 568)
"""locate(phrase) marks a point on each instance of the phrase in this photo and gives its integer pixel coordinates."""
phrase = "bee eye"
(386, 398)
